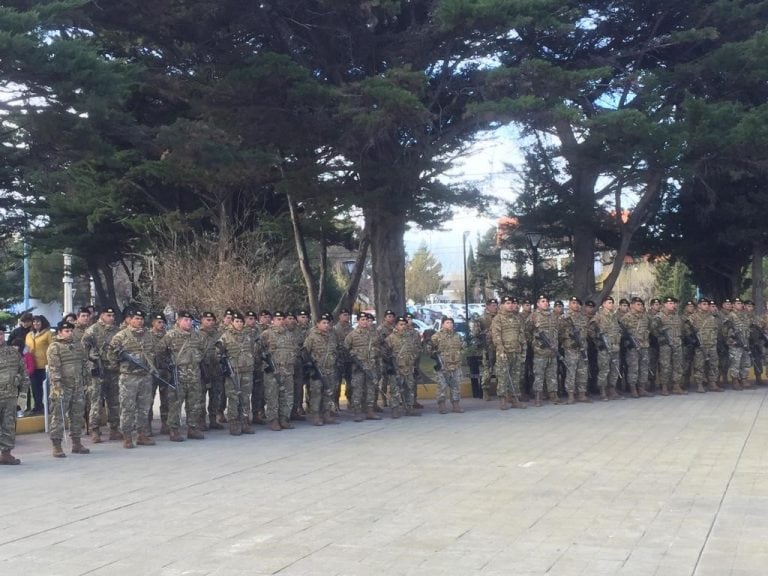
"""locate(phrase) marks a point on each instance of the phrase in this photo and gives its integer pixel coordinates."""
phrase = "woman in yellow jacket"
(37, 342)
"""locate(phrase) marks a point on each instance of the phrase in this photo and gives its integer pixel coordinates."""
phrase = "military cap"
(290, 314)
(712, 302)
(183, 314)
(402, 319)
(138, 313)
(491, 301)
(737, 301)
(278, 314)
(637, 299)
(326, 316)
(64, 326)
(108, 310)
(302, 312)
(542, 297)
(655, 301)
(237, 316)
(669, 299)
(362, 315)
(128, 312)
(390, 313)
(505, 299)
(84, 310)
(209, 315)
(748, 303)
(409, 316)
(608, 299)
(690, 303)
(727, 301)
(264, 312)
(577, 300)
(251, 314)
(558, 303)
(623, 301)
(370, 316)
(589, 304)
(345, 311)
(702, 300)
(526, 301)
(229, 312)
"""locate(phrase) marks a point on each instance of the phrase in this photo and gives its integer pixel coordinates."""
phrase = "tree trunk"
(758, 279)
(306, 269)
(347, 299)
(386, 231)
(584, 262)
(105, 290)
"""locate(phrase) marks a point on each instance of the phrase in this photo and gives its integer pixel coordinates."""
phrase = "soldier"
(572, 335)
(210, 370)
(384, 386)
(653, 347)
(736, 326)
(705, 329)
(488, 347)
(133, 349)
(363, 346)
(157, 330)
(636, 327)
(606, 334)
(541, 333)
(400, 357)
(668, 329)
(507, 337)
(446, 347)
(182, 350)
(236, 349)
(257, 398)
(760, 339)
(416, 346)
(300, 376)
(279, 346)
(104, 375)
(688, 342)
(67, 376)
(321, 348)
(82, 323)
(14, 387)
(344, 370)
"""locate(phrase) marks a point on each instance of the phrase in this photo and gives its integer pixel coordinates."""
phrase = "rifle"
(576, 335)
(227, 368)
(173, 367)
(629, 337)
(314, 369)
(736, 333)
(123, 354)
(439, 364)
(547, 344)
(367, 371)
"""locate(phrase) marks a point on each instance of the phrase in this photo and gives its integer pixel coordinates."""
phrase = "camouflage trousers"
(407, 387)
(278, 395)
(300, 382)
(688, 353)
(188, 392)
(70, 405)
(135, 400)
(257, 397)
(705, 366)
(363, 391)
(511, 368)
(544, 372)
(637, 368)
(738, 362)
(449, 380)
(575, 372)
(490, 360)
(239, 404)
(107, 389)
(607, 369)
(671, 365)
(7, 423)
(164, 401)
(214, 390)
(322, 399)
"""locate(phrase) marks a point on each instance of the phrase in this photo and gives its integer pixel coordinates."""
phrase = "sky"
(487, 165)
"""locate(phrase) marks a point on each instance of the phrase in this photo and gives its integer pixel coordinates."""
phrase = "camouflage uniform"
(278, 385)
(323, 348)
(364, 345)
(67, 375)
(637, 328)
(759, 333)
(605, 332)
(162, 369)
(668, 328)
(212, 378)
(399, 347)
(300, 374)
(736, 326)
(257, 398)
(385, 383)
(507, 338)
(183, 350)
(239, 347)
(14, 386)
(489, 354)
(572, 332)
(102, 386)
(135, 382)
(705, 368)
(449, 345)
(344, 368)
(541, 332)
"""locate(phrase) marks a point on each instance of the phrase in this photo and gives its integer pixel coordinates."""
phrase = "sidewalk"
(661, 486)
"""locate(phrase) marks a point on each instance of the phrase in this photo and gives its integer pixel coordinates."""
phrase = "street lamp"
(466, 287)
(534, 239)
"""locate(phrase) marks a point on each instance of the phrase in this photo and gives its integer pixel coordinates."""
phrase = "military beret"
(290, 314)
(209, 315)
(302, 312)
(542, 297)
(727, 301)
(362, 316)
(278, 314)
(589, 304)
(264, 312)
(326, 316)
(64, 326)
(345, 311)
(712, 302)
(402, 319)
(108, 310)
(608, 299)
(655, 301)
(183, 314)
(623, 301)
(251, 314)
(84, 310)
(237, 316)
(161, 317)
(577, 300)
(670, 299)
(370, 316)
(229, 312)
(128, 312)
(408, 316)
(389, 313)
(702, 300)
(491, 301)
(558, 303)
(505, 299)
(526, 301)
(748, 303)
(137, 313)
(690, 303)
(737, 301)
(636, 299)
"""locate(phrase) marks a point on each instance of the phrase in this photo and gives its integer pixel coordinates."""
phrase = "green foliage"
(423, 275)
(674, 279)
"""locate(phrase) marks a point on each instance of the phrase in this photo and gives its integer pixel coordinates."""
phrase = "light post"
(466, 286)
(534, 239)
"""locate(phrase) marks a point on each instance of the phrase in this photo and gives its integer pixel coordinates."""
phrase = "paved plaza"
(660, 486)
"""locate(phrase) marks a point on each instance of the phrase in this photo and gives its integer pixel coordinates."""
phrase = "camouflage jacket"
(706, 326)
(605, 332)
(282, 346)
(637, 326)
(485, 336)
(668, 329)
(13, 373)
(449, 345)
(365, 345)
(507, 333)
(182, 348)
(541, 331)
(238, 345)
(399, 346)
(96, 342)
(323, 347)
(139, 343)
(572, 331)
(67, 364)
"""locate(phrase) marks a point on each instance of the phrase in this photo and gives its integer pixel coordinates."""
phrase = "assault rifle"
(630, 338)
(126, 356)
(173, 367)
(227, 368)
(736, 334)
(367, 371)
(439, 364)
(314, 369)
(547, 344)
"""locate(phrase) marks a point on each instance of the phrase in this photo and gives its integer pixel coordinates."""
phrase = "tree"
(423, 275)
